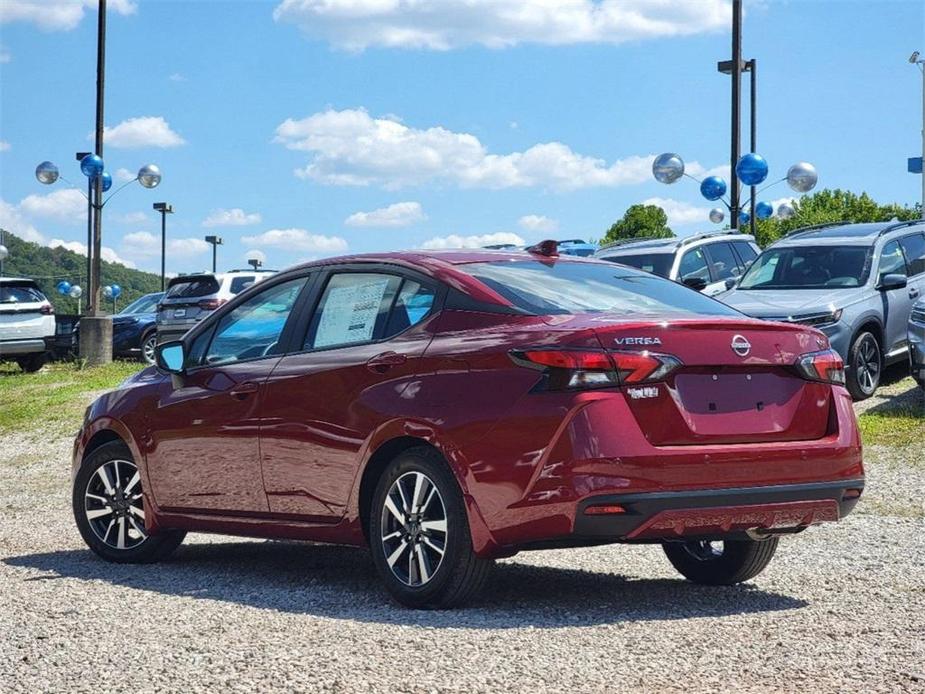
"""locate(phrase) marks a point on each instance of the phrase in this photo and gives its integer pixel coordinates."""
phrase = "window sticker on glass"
(350, 312)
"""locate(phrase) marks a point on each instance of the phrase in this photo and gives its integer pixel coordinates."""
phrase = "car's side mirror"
(170, 357)
(731, 282)
(892, 281)
(698, 283)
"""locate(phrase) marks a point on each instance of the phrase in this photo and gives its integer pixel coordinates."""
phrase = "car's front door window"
(892, 261)
(252, 329)
(694, 266)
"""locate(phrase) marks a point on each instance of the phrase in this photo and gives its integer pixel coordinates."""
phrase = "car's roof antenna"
(548, 248)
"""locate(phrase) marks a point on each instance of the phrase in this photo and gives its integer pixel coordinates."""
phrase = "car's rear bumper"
(714, 512)
(26, 346)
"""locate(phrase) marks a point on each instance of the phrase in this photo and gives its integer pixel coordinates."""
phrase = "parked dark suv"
(854, 282)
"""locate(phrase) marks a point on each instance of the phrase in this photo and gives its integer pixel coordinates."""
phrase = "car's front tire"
(109, 509)
(148, 343)
(865, 365)
(419, 534)
(32, 363)
(720, 563)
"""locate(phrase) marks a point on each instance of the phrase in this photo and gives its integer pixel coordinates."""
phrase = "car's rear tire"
(419, 534)
(720, 563)
(865, 365)
(148, 343)
(32, 362)
(109, 511)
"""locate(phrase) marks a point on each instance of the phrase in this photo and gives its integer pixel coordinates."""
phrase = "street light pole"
(96, 266)
(164, 208)
(736, 106)
(916, 60)
(216, 241)
(752, 66)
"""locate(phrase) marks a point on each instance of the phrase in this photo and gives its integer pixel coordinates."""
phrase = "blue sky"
(305, 128)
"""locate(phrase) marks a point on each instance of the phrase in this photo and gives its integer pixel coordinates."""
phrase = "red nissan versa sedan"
(448, 408)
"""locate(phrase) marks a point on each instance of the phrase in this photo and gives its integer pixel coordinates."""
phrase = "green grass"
(54, 399)
(902, 426)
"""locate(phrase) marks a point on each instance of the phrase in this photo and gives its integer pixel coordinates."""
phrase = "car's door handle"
(913, 293)
(385, 361)
(242, 390)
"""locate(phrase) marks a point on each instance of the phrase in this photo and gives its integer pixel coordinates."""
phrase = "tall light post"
(216, 241)
(165, 208)
(915, 59)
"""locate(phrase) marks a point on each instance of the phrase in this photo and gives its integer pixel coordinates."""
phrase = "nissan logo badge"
(741, 346)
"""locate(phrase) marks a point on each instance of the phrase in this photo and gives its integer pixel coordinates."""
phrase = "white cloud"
(538, 222)
(457, 241)
(177, 77)
(400, 214)
(357, 24)
(62, 205)
(235, 217)
(56, 15)
(4, 145)
(352, 148)
(125, 175)
(144, 244)
(5, 55)
(680, 213)
(697, 171)
(106, 253)
(145, 131)
(130, 218)
(780, 201)
(12, 220)
(297, 240)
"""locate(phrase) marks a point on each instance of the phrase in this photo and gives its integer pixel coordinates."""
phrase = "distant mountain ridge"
(48, 266)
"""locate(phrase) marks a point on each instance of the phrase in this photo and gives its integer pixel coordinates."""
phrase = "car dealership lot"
(841, 606)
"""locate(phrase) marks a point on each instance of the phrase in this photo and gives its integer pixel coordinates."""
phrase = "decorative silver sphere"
(802, 177)
(76, 292)
(149, 176)
(717, 215)
(107, 292)
(668, 167)
(785, 210)
(4, 252)
(46, 173)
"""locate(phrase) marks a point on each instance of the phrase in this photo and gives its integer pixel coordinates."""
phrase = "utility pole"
(94, 288)
(736, 111)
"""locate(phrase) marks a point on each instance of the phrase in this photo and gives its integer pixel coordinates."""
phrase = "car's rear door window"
(694, 266)
(354, 309)
(413, 303)
(914, 248)
(745, 252)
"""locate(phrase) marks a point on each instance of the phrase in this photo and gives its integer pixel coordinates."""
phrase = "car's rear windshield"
(656, 263)
(809, 267)
(563, 287)
(20, 293)
(192, 287)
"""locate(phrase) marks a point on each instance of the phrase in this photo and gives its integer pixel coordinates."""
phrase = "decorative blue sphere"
(91, 166)
(713, 188)
(752, 169)
(116, 291)
(64, 287)
(107, 180)
(744, 218)
(764, 210)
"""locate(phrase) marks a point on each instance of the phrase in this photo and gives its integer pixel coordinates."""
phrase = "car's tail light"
(210, 304)
(580, 369)
(47, 310)
(825, 366)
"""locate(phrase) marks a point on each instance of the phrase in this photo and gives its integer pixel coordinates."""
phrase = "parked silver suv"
(708, 262)
(855, 282)
(190, 298)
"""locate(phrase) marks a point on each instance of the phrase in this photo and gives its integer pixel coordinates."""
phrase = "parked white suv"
(190, 298)
(27, 323)
(710, 263)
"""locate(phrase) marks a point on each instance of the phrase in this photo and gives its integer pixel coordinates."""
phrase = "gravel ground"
(842, 607)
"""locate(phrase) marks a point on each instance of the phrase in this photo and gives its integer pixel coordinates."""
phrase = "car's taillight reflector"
(210, 304)
(47, 310)
(578, 369)
(604, 510)
(825, 366)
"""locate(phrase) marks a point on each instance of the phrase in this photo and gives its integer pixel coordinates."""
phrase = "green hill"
(48, 266)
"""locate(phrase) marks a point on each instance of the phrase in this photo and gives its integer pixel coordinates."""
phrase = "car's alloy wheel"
(414, 528)
(113, 505)
(867, 364)
(704, 550)
(147, 348)
(720, 562)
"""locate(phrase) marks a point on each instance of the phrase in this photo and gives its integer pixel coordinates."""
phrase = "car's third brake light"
(580, 369)
(47, 309)
(826, 366)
